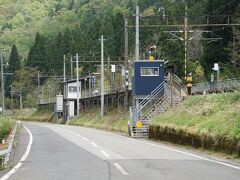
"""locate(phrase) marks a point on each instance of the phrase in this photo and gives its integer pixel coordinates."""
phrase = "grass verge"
(40, 115)
(6, 125)
(114, 120)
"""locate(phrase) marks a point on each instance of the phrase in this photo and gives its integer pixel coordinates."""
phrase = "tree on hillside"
(57, 55)
(66, 48)
(37, 57)
(119, 35)
(66, 42)
(215, 51)
(234, 47)
(108, 33)
(25, 81)
(14, 65)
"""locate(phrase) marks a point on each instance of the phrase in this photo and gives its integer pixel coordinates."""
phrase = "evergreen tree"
(14, 65)
(234, 47)
(57, 58)
(37, 57)
(66, 48)
(14, 60)
(66, 42)
(215, 52)
(108, 33)
(119, 36)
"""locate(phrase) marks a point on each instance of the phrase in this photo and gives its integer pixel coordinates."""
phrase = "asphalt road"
(61, 152)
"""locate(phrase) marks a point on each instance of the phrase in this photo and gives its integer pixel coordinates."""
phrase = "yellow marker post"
(139, 124)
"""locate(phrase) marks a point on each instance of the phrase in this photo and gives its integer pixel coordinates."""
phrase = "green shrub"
(6, 125)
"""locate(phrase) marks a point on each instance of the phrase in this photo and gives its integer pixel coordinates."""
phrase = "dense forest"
(40, 32)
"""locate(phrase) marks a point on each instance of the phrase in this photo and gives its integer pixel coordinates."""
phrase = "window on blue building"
(149, 71)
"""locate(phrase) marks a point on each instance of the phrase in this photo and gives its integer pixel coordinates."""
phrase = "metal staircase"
(157, 102)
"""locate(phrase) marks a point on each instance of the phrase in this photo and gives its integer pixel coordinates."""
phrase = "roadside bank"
(210, 122)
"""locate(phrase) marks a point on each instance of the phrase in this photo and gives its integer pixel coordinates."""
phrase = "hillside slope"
(21, 19)
(214, 115)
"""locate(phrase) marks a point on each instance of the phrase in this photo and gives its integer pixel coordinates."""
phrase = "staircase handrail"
(153, 94)
(178, 82)
(132, 110)
(149, 109)
(177, 79)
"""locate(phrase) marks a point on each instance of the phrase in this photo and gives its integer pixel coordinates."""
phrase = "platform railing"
(223, 85)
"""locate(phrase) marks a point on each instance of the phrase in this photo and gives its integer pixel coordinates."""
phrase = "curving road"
(61, 152)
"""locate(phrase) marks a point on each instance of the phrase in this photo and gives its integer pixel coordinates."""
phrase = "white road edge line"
(84, 138)
(79, 135)
(190, 154)
(179, 151)
(105, 154)
(120, 168)
(94, 144)
(24, 157)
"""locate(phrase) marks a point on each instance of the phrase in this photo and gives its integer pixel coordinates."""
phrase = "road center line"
(94, 144)
(120, 168)
(105, 154)
(24, 157)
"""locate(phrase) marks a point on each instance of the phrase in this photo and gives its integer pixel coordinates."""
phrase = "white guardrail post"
(7, 152)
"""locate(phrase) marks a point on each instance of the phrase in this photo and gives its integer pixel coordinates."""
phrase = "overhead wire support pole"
(137, 32)
(71, 68)
(20, 97)
(78, 106)
(38, 98)
(64, 68)
(185, 40)
(2, 85)
(126, 62)
(102, 76)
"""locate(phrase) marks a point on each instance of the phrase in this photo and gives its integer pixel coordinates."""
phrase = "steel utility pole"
(137, 32)
(185, 39)
(78, 106)
(2, 79)
(102, 77)
(126, 61)
(71, 68)
(38, 98)
(64, 68)
(21, 103)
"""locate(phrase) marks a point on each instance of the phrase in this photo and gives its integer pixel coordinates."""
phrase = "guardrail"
(6, 150)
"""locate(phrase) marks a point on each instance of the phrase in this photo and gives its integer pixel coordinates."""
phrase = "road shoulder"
(21, 139)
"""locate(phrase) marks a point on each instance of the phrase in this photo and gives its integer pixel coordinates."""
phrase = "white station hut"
(70, 98)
